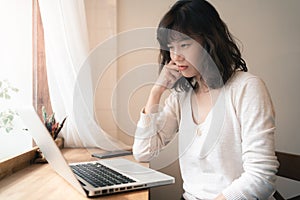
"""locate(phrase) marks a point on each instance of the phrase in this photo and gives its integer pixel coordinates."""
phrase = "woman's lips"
(182, 68)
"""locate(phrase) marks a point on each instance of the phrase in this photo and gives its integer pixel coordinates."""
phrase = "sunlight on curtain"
(66, 43)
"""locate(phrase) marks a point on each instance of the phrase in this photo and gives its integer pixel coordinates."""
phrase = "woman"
(224, 115)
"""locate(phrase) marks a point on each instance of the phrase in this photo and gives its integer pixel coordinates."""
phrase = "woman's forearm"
(152, 104)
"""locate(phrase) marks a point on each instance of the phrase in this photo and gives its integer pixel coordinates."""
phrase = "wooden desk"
(39, 181)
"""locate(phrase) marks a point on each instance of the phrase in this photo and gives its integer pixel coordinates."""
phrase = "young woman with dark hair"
(223, 115)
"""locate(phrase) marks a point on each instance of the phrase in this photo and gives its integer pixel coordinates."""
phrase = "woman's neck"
(202, 86)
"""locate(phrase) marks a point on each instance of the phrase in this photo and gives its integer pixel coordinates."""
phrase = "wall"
(107, 19)
(102, 25)
(129, 18)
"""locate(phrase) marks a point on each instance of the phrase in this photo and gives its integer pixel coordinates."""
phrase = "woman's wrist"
(157, 90)
(154, 99)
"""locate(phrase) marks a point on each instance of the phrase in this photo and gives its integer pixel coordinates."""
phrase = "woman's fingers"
(169, 75)
(173, 69)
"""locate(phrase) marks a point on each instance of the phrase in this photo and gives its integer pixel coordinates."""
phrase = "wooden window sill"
(12, 165)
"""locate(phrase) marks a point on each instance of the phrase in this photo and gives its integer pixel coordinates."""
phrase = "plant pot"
(60, 142)
(40, 158)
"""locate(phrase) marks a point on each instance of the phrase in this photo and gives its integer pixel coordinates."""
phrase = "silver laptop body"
(144, 177)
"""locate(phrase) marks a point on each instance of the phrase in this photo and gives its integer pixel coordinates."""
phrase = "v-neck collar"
(213, 123)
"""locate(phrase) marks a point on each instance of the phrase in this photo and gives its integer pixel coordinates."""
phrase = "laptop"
(92, 178)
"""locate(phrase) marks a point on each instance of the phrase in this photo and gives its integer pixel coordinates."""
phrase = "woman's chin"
(187, 75)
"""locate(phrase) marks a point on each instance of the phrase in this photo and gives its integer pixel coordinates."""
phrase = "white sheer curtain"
(66, 43)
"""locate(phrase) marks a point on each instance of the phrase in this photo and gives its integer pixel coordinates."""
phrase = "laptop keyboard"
(99, 175)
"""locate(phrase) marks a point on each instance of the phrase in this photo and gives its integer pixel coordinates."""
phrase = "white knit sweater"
(231, 152)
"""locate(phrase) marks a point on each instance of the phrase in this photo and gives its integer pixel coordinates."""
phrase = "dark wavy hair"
(200, 21)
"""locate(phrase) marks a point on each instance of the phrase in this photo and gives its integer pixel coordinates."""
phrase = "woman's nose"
(176, 56)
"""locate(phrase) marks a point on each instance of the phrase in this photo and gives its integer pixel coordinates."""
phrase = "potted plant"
(53, 126)
(54, 129)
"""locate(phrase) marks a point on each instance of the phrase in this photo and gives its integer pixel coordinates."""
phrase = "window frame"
(41, 96)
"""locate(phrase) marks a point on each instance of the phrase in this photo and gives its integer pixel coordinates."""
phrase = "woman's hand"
(168, 76)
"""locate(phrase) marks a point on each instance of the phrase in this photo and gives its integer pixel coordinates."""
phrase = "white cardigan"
(231, 152)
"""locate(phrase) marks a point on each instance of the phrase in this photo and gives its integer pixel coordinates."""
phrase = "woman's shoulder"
(245, 84)
(241, 78)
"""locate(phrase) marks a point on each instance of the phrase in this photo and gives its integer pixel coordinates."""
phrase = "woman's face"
(186, 54)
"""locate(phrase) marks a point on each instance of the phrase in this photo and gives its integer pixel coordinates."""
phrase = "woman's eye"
(184, 45)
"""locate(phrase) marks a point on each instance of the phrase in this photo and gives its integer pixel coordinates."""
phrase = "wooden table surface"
(39, 181)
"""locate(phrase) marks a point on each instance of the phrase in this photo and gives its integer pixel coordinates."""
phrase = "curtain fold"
(71, 88)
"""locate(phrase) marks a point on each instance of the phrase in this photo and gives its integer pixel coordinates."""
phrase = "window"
(15, 66)
(23, 66)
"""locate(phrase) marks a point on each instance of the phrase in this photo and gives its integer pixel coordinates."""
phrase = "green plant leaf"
(7, 116)
(44, 114)
(15, 89)
(8, 129)
(6, 96)
(10, 117)
(5, 121)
